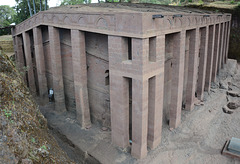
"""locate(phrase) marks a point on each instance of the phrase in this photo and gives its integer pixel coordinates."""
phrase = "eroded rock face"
(22, 126)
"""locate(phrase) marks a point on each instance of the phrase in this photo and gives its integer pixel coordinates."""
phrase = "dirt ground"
(199, 139)
(203, 131)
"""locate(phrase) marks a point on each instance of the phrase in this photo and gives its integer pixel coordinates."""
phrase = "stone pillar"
(40, 62)
(216, 52)
(221, 47)
(56, 62)
(80, 77)
(224, 44)
(14, 44)
(210, 51)
(227, 42)
(139, 118)
(177, 79)
(202, 62)
(15, 48)
(156, 91)
(140, 54)
(192, 69)
(29, 64)
(20, 56)
(119, 92)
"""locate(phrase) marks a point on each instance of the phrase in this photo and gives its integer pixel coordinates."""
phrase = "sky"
(51, 3)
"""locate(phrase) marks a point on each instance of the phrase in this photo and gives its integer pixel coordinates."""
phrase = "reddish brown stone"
(125, 70)
(40, 62)
(216, 52)
(210, 51)
(204, 33)
(56, 63)
(80, 77)
(29, 63)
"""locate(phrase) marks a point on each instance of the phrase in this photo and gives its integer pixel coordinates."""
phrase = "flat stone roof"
(127, 8)
(124, 19)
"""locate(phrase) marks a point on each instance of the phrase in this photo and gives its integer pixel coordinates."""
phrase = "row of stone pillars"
(208, 47)
(24, 58)
(146, 83)
(142, 61)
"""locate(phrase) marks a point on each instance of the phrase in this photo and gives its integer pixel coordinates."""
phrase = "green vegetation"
(200, 2)
(33, 140)
(22, 9)
(7, 15)
(7, 113)
(18, 13)
(232, 2)
(44, 147)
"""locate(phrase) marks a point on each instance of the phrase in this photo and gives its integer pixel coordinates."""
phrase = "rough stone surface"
(198, 139)
(222, 85)
(119, 66)
(227, 110)
(233, 105)
(233, 93)
(232, 66)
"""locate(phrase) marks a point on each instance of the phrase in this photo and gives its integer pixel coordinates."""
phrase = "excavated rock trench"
(199, 139)
(24, 136)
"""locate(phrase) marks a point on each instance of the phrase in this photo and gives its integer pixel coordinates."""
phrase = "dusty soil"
(203, 131)
(199, 139)
(24, 136)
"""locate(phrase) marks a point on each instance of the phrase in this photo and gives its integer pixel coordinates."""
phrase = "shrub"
(232, 2)
(200, 2)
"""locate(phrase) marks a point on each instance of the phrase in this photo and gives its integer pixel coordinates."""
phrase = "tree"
(6, 15)
(6, 18)
(22, 9)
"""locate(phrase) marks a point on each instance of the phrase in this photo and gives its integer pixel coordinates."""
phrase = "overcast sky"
(51, 3)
